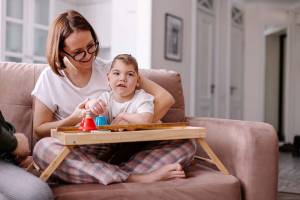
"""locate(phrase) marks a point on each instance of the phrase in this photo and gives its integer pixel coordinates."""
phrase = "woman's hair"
(61, 28)
(127, 59)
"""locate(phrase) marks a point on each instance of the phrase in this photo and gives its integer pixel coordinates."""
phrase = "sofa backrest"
(17, 80)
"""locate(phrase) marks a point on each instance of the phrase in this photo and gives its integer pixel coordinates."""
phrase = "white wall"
(99, 15)
(257, 17)
(124, 23)
(181, 9)
(130, 32)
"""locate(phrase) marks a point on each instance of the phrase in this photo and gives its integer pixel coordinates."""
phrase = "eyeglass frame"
(85, 51)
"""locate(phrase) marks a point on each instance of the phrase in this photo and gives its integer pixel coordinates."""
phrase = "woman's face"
(78, 48)
(123, 79)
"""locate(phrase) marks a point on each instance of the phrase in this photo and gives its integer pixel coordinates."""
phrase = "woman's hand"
(22, 149)
(97, 106)
(78, 113)
(163, 99)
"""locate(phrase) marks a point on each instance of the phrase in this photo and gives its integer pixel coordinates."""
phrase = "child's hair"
(127, 59)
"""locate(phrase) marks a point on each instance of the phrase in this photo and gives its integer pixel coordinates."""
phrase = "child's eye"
(131, 74)
(116, 73)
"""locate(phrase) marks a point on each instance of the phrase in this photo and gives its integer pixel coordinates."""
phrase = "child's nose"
(123, 78)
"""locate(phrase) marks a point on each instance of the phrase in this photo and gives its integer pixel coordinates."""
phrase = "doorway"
(204, 73)
(274, 81)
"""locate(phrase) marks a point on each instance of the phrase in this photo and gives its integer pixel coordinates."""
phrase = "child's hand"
(120, 119)
(97, 106)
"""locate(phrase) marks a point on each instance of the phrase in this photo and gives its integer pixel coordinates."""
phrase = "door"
(236, 80)
(204, 105)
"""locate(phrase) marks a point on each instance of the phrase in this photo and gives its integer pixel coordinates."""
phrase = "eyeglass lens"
(90, 49)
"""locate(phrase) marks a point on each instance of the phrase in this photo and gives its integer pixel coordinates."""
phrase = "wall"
(99, 15)
(130, 33)
(257, 17)
(181, 9)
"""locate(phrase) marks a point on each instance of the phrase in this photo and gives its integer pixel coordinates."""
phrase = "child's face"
(123, 79)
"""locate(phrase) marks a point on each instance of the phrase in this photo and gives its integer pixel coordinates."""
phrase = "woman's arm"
(43, 118)
(163, 100)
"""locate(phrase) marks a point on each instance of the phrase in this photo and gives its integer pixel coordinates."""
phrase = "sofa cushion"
(17, 82)
(202, 184)
(171, 81)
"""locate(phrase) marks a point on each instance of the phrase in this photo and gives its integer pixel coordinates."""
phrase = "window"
(26, 25)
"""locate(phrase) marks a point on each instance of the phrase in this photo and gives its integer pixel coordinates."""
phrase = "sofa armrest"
(249, 150)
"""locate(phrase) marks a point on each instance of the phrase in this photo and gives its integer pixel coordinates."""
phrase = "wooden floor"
(289, 177)
(287, 196)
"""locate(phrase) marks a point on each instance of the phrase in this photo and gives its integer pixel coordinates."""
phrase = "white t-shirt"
(141, 102)
(61, 96)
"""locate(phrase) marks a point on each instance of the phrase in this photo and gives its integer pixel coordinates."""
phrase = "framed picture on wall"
(173, 37)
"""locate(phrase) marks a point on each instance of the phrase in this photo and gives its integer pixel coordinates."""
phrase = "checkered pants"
(83, 166)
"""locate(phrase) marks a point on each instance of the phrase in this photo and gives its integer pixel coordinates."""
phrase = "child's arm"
(134, 118)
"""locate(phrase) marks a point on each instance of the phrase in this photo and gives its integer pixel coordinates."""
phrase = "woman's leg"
(161, 160)
(17, 184)
(80, 166)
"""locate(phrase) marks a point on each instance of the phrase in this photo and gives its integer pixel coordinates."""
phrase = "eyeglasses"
(79, 56)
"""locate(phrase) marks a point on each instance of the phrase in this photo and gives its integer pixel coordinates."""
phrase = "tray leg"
(55, 163)
(214, 159)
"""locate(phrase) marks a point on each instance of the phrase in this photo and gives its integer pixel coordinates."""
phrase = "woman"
(60, 95)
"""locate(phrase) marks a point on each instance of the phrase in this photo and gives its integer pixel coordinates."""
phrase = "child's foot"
(166, 172)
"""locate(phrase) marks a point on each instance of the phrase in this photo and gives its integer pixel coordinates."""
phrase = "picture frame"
(173, 37)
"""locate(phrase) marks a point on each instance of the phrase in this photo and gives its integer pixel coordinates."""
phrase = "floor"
(289, 177)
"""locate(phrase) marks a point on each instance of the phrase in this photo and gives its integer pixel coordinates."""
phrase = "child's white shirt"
(141, 102)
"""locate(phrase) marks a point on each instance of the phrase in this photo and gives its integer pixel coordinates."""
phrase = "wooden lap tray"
(72, 136)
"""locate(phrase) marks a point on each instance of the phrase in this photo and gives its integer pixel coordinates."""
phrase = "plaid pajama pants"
(83, 166)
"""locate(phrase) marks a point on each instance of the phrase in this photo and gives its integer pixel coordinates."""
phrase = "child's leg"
(79, 166)
(160, 154)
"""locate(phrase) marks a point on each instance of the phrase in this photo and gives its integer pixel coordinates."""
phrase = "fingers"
(99, 107)
(82, 104)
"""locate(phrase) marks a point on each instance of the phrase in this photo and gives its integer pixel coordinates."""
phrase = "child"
(124, 104)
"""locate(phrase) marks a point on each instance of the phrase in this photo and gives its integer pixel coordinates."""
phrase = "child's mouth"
(121, 85)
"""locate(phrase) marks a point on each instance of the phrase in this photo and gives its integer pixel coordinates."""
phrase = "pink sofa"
(249, 150)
